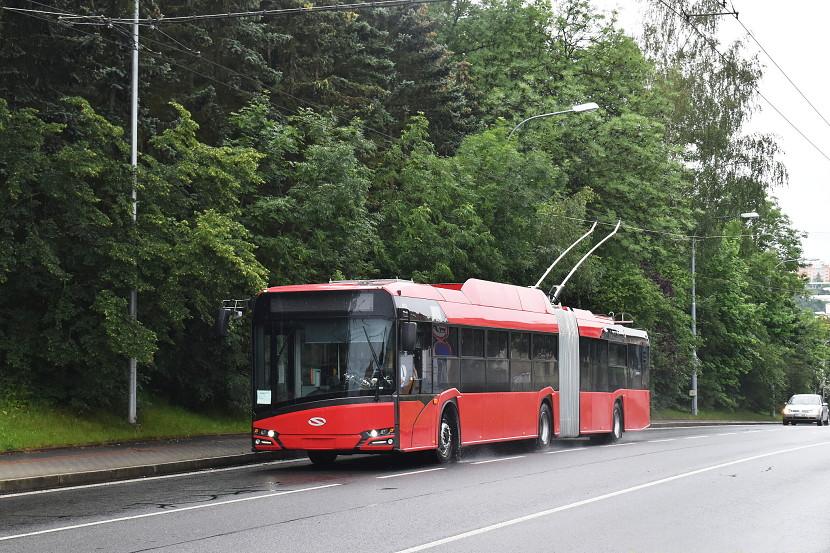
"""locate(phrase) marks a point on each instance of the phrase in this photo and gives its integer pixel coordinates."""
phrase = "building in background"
(815, 271)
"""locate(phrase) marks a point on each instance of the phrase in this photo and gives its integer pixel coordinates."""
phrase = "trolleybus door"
(568, 374)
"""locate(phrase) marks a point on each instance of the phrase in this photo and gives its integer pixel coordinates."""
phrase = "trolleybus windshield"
(308, 359)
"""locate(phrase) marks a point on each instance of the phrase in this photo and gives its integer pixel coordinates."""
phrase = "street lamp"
(787, 260)
(693, 391)
(579, 108)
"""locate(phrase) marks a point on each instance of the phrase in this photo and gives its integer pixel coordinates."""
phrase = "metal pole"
(537, 117)
(694, 335)
(134, 162)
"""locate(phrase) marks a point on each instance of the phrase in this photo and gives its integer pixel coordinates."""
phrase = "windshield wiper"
(378, 366)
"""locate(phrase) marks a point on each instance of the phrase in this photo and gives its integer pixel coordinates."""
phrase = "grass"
(41, 426)
(711, 415)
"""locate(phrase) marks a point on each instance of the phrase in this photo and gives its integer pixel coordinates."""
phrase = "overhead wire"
(723, 57)
(781, 69)
(262, 13)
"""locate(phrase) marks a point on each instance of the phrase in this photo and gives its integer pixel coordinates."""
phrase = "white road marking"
(566, 450)
(658, 441)
(408, 473)
(695, 437)
(728, 433)
(161, 513)
(688, 427)
(150, 478)
(598, 498)
(618, 445)
(500, 459)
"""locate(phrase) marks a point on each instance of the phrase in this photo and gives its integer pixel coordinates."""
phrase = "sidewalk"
(74, 466)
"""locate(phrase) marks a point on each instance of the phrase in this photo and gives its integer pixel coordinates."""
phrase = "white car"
(806, 408)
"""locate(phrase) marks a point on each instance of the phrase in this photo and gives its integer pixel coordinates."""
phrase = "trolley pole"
(134, 162)
(693, 391)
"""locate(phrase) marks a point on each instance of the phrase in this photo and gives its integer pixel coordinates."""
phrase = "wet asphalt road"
(729, 489)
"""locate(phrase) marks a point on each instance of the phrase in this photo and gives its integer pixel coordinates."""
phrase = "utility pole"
(134, 162)
(694, 336)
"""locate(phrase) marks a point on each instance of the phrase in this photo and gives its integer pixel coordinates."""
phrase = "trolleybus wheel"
(616, 424)
(448, 438)
(616, 428)
(545, 430)
(322, 458)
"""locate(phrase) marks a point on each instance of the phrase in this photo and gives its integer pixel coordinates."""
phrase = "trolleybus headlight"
(271, 433)
(375, 432)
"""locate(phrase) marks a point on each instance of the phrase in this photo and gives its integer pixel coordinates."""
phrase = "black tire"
(544, 431)
(322, 458)
(616, 428)
(448, 438)
(785, 422)
(616, 424)
(819, 422)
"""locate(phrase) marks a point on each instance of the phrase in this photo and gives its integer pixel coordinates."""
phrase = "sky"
(796, 35)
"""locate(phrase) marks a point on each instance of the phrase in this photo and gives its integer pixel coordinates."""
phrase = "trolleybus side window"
(423, 360)
(444, 358)
(520, 368)
(635, 370)
(586, 382)
(617, 366)
(599, 365)
(472, 360)
(498, 367)
(545, 370)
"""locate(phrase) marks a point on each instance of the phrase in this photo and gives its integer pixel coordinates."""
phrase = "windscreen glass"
(307, 359)
(805, 399)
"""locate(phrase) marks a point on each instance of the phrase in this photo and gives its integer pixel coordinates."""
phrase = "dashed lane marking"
(566, 450)
(498, 460)
(408, 473)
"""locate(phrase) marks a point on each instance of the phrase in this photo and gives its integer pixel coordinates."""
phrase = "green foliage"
(73, 253)
(309, 219)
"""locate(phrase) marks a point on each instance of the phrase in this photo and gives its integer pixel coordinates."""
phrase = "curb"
(35, 483)
(691, 423)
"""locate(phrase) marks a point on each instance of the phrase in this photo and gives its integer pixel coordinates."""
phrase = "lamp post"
(133, 377)
(579, 108)
(693, 391)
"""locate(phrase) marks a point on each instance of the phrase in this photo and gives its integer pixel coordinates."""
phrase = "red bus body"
(489, 409)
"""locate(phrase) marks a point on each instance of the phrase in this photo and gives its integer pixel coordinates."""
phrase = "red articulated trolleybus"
(376, 366)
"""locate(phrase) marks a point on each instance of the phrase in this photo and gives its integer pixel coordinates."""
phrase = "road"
(713, 489)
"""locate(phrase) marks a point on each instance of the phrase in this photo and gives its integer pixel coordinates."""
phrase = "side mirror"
(223, 316)
(231, 309)
(409, 332)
